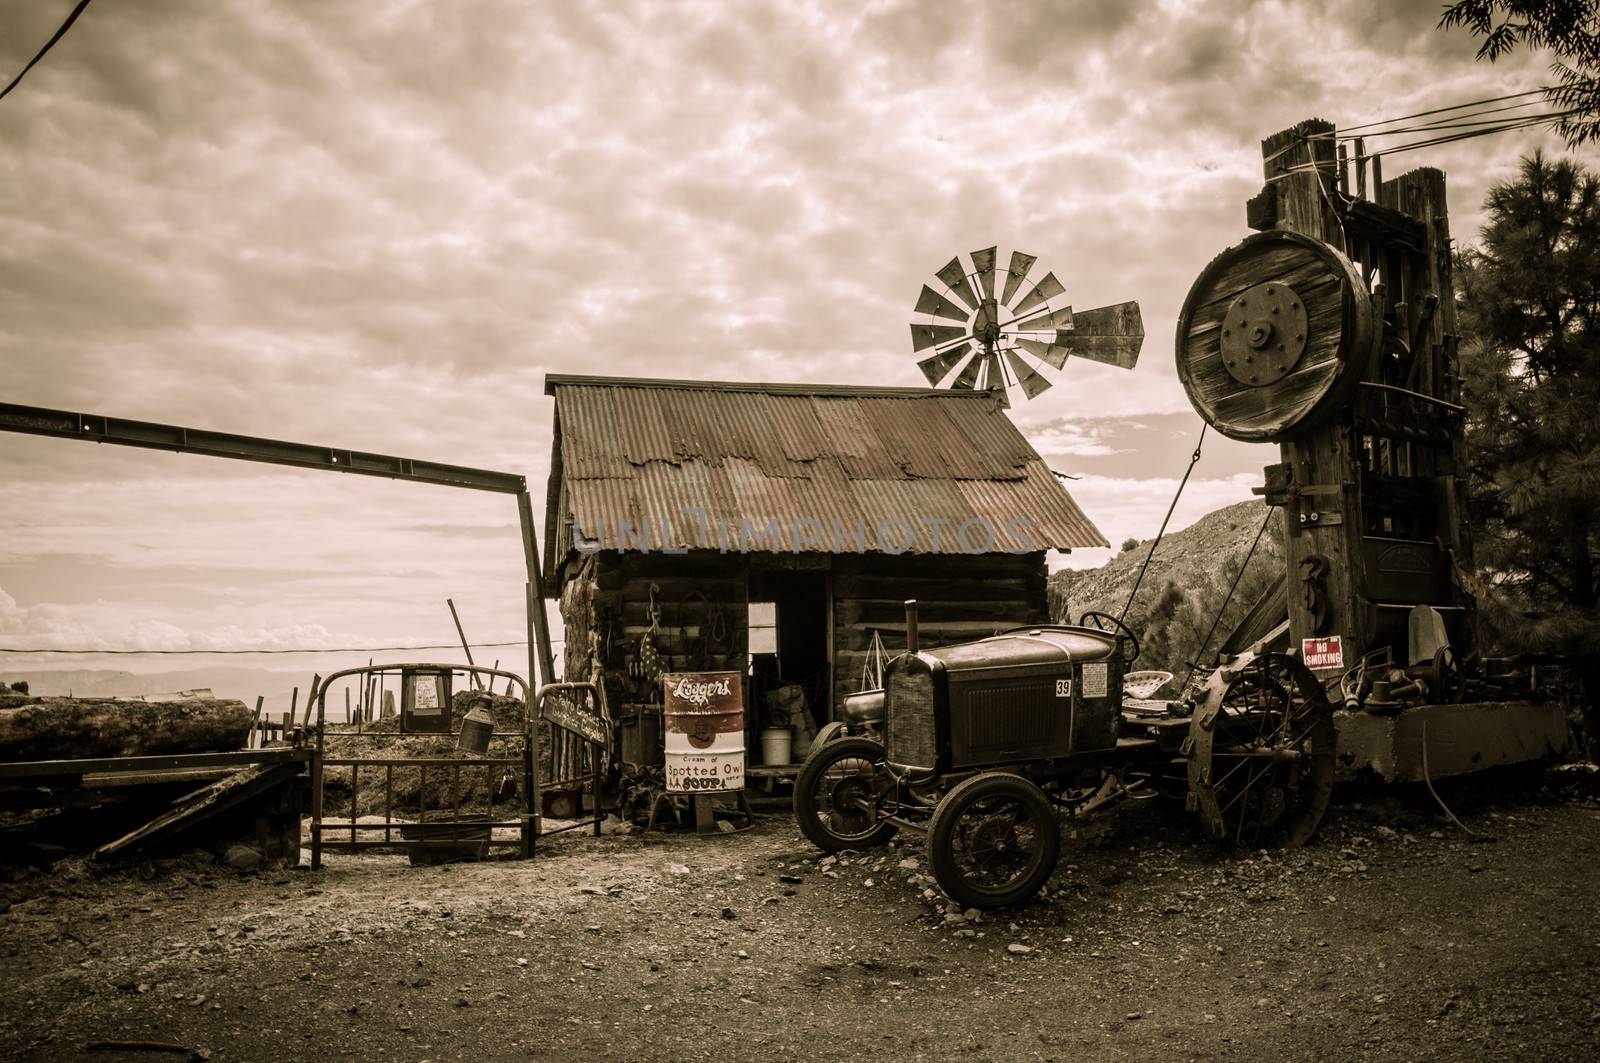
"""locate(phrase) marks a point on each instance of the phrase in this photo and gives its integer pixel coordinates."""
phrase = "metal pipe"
(913, 644)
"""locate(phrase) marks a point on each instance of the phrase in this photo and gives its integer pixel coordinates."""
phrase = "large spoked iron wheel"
(838, 793)
(994, 841)
(1261, 753)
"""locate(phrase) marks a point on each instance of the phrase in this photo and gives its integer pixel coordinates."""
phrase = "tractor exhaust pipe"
(912, 642)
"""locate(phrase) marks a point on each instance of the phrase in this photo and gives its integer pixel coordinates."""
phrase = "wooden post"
(316, 680)
(477, 683)
(705, 821)
(1300, 162)
(255, 724)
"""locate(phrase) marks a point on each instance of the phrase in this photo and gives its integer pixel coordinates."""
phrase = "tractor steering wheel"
(1107, 622)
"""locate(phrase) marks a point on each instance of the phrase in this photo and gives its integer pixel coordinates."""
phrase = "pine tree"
(1529, 299)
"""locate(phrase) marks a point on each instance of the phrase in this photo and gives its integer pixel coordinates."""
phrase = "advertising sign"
(424, 702)
(1325, 652)
(703, 717)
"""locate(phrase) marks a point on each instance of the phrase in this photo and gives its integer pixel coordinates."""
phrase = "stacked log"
(39, 728)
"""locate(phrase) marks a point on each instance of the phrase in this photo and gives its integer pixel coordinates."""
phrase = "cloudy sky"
(377, 225)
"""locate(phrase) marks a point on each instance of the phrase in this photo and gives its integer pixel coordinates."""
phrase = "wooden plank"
(201, 806)
(25, 769)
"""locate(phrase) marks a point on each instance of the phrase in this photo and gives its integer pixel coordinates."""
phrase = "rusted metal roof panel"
(699, 465)
(854, 443)
(594, 447)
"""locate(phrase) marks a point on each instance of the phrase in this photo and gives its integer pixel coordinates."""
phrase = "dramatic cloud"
(377, 226)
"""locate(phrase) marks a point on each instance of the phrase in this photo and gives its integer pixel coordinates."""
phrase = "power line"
(1442, 110)
(1505, 127)
(51, 43)
(1466, 121)
(318, 649)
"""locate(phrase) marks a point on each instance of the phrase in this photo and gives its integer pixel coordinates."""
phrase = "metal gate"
(393, 769)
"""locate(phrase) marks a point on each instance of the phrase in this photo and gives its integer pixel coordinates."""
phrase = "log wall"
(606, 600)
(958, 598)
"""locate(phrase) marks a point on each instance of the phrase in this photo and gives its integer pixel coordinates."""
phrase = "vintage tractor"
(987, 745)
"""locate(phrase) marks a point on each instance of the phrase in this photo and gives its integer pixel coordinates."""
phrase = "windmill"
(1003, 340)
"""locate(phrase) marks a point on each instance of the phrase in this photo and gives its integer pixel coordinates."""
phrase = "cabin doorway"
(801, 598)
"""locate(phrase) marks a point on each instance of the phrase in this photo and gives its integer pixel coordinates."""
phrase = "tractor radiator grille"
(912, 738)
(1008, 721)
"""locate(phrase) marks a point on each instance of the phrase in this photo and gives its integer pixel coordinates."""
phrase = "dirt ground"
(1392, 937)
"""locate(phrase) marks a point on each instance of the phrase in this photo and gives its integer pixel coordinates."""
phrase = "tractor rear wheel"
(1261, 753)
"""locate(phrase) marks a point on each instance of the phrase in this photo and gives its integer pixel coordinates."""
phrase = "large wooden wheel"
(1274, 336)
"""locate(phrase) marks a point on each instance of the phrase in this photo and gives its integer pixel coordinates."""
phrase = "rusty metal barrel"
(703, 725)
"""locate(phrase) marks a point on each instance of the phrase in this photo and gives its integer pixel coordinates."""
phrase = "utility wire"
(1199, 654)
(51, 43)
(1511, 125)
(1194, 459)
(1467, 122)
(1469, 134)
(1442, 110)
(318, 649)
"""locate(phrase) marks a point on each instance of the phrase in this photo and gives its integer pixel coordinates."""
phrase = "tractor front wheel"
(994, 841)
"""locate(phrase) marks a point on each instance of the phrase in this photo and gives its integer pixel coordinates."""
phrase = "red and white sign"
(703, 713)
(1323, 653)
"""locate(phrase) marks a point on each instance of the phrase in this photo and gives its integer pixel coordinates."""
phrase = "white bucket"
(775, 745)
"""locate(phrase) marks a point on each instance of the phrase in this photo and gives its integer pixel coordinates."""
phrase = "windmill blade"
(955, 278)
(925, 336)
(983, 265)
(1055, 319)
(1046, 352)
(1030, 379)
(1108, 334)
(933, 303)
(968, 378)
(1045, 290)
(937, 366)
(1016, 273)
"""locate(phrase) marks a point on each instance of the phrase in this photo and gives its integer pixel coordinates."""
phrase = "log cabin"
(777, 529)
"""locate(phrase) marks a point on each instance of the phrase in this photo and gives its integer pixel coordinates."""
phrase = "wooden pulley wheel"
(1274, 336)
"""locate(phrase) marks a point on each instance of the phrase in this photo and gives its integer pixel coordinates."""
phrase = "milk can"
(476, 727)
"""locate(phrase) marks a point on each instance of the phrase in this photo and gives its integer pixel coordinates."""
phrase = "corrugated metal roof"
(653, 464)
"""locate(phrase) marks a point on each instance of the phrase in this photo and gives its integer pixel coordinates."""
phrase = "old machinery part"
(993, 841)
(838, 796)
(1380, 699)
(1107, 622)
(1445, 678)
(1261, 753)
(1003, 339)
(1275, 334)
(1314, 569)
(1264, 334)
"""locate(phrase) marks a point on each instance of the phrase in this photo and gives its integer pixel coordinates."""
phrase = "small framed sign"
(424, 702)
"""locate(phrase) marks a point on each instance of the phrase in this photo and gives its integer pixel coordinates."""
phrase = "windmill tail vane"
(1002, 340)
